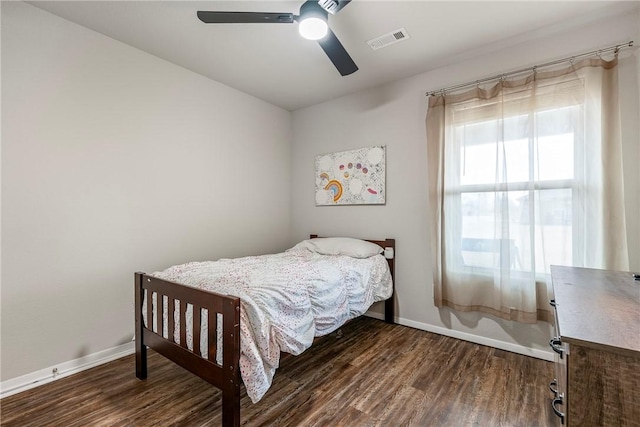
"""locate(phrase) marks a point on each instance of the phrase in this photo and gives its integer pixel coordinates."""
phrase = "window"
(515, 189)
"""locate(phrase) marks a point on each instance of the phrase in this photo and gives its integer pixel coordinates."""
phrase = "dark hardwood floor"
(374, 375)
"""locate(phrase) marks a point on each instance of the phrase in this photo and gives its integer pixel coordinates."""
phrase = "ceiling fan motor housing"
(311, 9)
(330, 6)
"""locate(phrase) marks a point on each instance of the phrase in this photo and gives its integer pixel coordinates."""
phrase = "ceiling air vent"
(388, 39)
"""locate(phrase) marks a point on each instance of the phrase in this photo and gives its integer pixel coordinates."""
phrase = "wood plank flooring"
(374, 375)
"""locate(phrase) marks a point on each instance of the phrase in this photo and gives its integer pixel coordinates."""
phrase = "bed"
(216, 336)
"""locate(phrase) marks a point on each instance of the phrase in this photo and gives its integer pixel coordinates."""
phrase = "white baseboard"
(47, 375)
(477, 339)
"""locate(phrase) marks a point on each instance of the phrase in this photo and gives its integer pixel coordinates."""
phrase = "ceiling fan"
(312, 24)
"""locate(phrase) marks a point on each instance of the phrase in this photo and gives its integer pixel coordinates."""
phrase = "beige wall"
(114, 161)
(394, 115)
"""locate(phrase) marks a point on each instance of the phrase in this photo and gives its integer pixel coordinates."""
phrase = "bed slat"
(171, 323)
(197, 311)
(183, 323)
(212, 338)
(160, 311)
(149, 309)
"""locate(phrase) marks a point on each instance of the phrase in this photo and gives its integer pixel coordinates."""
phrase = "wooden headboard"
(389, 304)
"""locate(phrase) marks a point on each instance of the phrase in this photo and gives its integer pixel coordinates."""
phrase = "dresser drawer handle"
(553, 384)
(555, 345)
(558, 401)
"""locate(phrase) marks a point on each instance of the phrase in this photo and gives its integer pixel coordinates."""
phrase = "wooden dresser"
(597, 345)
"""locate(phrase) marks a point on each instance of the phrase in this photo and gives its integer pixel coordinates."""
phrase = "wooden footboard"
(225, 376)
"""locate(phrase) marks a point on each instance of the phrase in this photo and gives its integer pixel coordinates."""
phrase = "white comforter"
(287, 299)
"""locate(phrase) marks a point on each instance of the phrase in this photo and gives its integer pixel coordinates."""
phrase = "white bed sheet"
(287, 299)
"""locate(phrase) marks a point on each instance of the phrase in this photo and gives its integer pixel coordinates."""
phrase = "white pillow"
(354, 248)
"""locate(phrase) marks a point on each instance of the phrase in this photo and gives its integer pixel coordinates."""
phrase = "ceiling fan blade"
(244, 17)
(338, 54)
(333, 6)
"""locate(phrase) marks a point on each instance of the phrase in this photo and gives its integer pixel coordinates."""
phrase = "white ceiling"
(274, 63)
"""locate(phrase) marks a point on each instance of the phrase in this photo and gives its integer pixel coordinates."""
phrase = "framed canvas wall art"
(355, 177)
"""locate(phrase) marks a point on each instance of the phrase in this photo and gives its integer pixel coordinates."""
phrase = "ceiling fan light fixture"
(313, 24)
(313, 28)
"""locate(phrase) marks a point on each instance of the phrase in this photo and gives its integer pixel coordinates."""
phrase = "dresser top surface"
(597, 308)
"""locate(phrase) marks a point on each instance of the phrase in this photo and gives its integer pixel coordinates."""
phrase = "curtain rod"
(615, 48)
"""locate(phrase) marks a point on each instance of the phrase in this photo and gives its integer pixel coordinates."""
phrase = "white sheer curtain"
(523, 175)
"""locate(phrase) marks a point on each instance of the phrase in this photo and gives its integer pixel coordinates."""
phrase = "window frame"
(533, 186)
